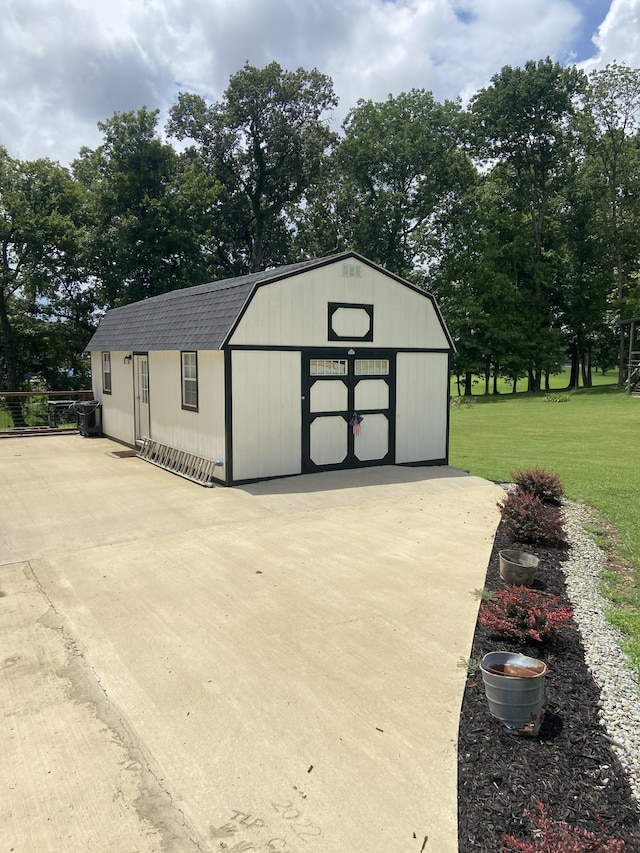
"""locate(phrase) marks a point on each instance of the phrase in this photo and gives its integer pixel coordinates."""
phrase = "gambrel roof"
(200, 317)
(193, 318)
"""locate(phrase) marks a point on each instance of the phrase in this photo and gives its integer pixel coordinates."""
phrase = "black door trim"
(350, 380)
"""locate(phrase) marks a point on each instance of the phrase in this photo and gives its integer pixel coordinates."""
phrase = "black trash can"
(88, 418)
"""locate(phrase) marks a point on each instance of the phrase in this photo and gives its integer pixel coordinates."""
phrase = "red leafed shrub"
(523, 613)
(556, 836)
(539, 482)
(528, 519)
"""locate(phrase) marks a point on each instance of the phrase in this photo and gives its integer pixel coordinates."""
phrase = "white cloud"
(618, 37)
(64, 66)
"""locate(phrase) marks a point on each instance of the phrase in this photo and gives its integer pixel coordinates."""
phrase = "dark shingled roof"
(194, 318)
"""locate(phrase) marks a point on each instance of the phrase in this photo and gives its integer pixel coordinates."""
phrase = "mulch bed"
(570, 766)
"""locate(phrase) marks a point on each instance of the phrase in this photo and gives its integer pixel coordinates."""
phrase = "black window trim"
(106, 387)
(186, 406)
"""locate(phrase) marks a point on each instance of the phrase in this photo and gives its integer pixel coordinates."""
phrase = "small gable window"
(189, 380)
(106, 372)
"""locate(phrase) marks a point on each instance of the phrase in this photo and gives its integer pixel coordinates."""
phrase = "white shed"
(326, 364)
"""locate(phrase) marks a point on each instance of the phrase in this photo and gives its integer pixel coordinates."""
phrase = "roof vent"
(351, 270)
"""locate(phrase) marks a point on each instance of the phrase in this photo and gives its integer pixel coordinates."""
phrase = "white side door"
(141, 396)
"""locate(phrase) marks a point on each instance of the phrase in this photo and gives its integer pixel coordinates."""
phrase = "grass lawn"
(592, 441)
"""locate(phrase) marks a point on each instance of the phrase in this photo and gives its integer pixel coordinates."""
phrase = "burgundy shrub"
(528, 519)
(539, 482)
(556, 836)
(523, 613)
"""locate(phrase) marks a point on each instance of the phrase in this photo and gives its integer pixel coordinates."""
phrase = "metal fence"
(39, 412)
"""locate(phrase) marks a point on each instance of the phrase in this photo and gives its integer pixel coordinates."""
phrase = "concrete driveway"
(272, 668)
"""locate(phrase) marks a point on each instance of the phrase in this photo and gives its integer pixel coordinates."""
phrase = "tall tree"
(398, 168)
(522, 123)
(264, 143)
(149, 211)
(476, 278)
(584, 272)
(39, 246)
(609, 123)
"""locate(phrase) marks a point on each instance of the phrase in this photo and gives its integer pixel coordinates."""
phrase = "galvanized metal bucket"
(514, 685)
(517, 566)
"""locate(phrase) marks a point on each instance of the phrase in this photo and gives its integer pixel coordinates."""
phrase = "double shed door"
(337, 385)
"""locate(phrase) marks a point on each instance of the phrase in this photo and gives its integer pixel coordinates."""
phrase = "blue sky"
(66, 65)
(592, 16)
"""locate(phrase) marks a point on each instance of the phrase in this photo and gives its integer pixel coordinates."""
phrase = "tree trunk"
(467, 383)
(621, 358)
(619, 269)
(534, 377)
(495, 379)
(574, 376)
(10, 379)
(587, 378)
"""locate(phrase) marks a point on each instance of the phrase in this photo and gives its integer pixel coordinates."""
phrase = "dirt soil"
(570, 766)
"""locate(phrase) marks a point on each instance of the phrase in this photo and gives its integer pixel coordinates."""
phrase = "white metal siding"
(293, 312)
(117, 407)
(267, 418)
(200, 432)
(421, 406)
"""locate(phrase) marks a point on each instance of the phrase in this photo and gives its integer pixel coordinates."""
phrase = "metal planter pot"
(514, 686)
(517, 566)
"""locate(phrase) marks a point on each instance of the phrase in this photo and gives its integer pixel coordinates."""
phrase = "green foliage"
(400, 168)
(627, 620)
(146, 210)
(264, 144)
(557, 398)
(608, 127)
(484, 594)
(40, 265)
(519, 128)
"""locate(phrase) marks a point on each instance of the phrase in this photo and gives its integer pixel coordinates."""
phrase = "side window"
(189, 380)
(106, 372)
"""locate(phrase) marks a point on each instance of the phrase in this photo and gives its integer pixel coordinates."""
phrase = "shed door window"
(144, 380)
(372, 367)
(190, 380)
(328, 367)
(106, 372)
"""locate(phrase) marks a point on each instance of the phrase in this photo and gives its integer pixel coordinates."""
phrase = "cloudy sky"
(67, 64)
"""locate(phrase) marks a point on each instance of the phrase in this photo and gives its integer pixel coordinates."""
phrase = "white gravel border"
(620, 694)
